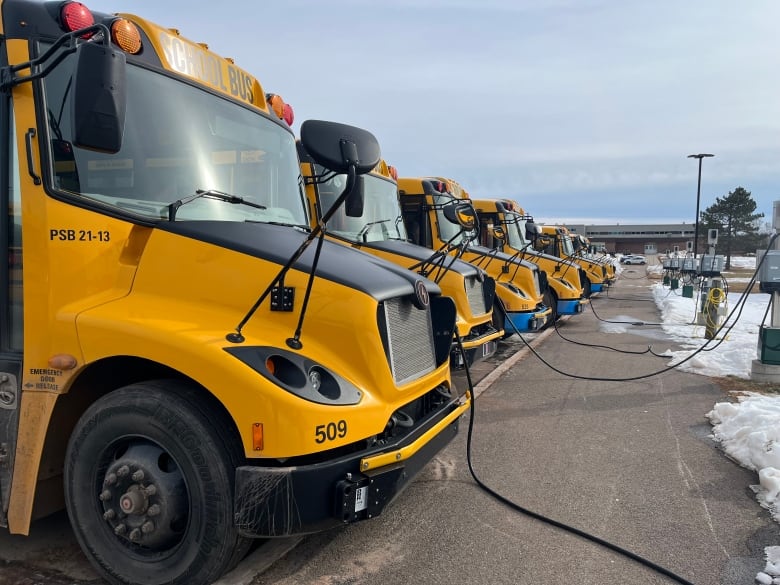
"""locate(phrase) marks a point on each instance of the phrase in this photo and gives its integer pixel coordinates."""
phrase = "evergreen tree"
(734, 217)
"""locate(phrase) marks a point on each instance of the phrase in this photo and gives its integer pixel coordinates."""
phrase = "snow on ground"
(748, 430)
(735, 347)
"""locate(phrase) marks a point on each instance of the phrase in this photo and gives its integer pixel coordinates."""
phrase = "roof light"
(280, 108)
(287, 114)
(276, 103)
(126, 36)
(75, 16)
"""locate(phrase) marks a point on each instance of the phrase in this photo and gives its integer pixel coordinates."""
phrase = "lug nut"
(135, 535)
(147, 527)
(138, 475)
(153, 510)
(109, 514)
(123, 471)
(110, 479)
(120, 529)
(105, 495)
(150, 490)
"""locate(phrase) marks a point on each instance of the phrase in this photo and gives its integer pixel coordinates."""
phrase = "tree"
(734, 217)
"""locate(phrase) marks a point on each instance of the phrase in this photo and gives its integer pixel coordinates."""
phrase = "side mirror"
(353, 204)
(532, 231)
(337, 147)
(462, 214)
(66, 172)
(99, 98)
(498, 233)
(542, 242)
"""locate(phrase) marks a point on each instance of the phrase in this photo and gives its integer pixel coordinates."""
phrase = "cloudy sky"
(584, 111)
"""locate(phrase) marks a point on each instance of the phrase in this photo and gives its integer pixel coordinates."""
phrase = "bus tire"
(551, 301)
(499, 320)
(586, 288)
(149, 474)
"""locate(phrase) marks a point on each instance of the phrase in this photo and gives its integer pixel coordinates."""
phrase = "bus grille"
(537, 284)
(410, 340)
(476, 296)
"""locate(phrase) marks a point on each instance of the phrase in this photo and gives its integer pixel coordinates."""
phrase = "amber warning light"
(280, 108)
(126, 36)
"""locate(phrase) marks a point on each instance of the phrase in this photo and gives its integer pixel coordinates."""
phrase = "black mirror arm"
(351, 179)
(237, 337)
(8, 78)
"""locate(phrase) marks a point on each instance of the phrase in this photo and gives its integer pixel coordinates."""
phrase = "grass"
(735, 385)
(741, 273)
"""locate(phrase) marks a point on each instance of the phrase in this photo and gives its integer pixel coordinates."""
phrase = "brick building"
(642, 239)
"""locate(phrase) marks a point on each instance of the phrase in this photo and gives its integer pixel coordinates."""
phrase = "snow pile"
(749, 432)
(771, 573)
(735, 347)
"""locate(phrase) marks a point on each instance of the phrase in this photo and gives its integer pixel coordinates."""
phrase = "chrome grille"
(476, 296)
(537, 287)
(410, 340)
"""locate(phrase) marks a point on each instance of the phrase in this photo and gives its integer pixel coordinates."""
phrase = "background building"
(642, 239)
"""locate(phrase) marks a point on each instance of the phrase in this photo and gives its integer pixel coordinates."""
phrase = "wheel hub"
(144, 497)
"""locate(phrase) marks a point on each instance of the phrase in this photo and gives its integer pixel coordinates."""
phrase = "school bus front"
(520, 285)
(185, 364)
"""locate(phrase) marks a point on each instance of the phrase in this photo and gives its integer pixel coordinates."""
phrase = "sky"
(748, 428)
(583, 111)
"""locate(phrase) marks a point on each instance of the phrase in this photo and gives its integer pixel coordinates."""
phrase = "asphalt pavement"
(630, 462)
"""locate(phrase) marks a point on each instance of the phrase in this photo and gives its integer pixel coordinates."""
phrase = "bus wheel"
(499, 321)
(149, 474)
(586, 291)
(551, 301)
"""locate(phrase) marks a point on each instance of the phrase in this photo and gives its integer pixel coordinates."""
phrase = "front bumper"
(526, 322)
(571, 307)
(479, 345)
(284, 501)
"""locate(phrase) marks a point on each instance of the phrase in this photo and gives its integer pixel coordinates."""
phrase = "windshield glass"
(515, 230)
(381, 218)
(447, 229)
(178, 139)
(566, 246)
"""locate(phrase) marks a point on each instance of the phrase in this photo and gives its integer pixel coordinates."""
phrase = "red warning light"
(75, 16)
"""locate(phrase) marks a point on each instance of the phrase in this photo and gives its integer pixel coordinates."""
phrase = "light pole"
(698, 197)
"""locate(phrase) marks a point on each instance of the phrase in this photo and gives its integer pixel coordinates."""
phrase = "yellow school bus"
(564, 292)
(557, 241)
(520, 285)
(373, 222)
(185, 364)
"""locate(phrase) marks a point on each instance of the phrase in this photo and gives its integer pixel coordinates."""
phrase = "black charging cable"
(541, 517)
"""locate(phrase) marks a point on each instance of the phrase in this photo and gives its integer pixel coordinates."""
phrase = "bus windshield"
(515, 230)
(566, 246)
(178, 140)
(381, 218)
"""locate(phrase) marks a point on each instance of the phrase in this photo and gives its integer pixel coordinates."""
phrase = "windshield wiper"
(210, 194)
(361, 235)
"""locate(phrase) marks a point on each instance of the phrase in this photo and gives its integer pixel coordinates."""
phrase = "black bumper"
(285, 501)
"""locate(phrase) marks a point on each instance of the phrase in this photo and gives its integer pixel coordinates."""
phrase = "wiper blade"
(363, 233)
(210, 194)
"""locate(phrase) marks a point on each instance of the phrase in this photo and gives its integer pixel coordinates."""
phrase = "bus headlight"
(298, 375)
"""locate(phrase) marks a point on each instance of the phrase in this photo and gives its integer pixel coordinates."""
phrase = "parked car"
(633, 259)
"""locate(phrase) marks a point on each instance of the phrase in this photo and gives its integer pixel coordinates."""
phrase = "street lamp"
(698, 197)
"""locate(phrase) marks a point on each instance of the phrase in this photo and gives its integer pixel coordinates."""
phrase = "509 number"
(330, 431)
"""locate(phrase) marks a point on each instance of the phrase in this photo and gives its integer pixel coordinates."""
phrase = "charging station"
(767, 367)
